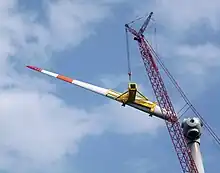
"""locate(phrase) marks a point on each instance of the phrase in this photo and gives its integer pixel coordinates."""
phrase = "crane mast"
(174, 127)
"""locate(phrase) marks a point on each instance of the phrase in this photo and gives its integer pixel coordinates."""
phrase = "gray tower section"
(192, 129)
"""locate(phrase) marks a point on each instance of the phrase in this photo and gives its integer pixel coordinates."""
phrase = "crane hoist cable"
(155, 35)
(128, 55)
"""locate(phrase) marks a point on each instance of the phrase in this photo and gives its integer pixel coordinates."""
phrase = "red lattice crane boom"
(174, 128)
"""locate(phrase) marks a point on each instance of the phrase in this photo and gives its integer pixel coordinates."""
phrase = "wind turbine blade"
(143, 105)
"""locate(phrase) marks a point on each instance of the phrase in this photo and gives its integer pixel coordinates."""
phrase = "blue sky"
(50, 126)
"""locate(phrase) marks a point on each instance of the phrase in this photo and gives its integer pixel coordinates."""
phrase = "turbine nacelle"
(192, 128)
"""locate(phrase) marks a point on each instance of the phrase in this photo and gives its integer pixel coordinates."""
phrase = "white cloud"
(66, 24)
(112, 81)
(127, 120)
(71, 27)
(181, 15)
(206, 55)
(37, 128)
(40, 128)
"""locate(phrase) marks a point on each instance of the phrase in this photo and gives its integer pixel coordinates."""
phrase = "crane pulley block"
(132, 90)
(130, 95)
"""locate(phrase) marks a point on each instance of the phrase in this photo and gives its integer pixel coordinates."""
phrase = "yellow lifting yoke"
(130, 95)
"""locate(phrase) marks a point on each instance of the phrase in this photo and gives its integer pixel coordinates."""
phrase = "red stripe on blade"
(34, 68)
(64, 78)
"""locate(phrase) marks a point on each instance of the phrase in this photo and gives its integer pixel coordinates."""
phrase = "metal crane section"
(132, 97)
(174, 128)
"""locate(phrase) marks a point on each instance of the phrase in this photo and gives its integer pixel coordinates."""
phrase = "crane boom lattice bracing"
(174, 128)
